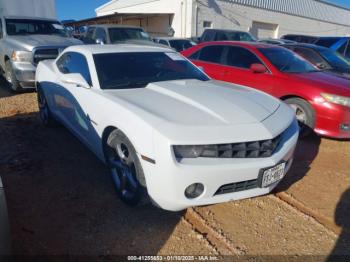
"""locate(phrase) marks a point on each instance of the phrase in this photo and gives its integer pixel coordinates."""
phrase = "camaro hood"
(28, 42)
(198, 103)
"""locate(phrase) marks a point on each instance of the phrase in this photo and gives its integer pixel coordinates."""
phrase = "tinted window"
(208, 35)
(312, 56)
(31, 26)
(335, 59)
(327, 42)
(342, 49)
(233, 36)
(89, 38)
(74, 63)
(181, 45)
(286, 61)
(163, 42)
(240, 57)
(124, 34)
(101, 34)
(211, 54)
(137, 70)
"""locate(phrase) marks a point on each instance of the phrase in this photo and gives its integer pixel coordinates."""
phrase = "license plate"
(273, 175)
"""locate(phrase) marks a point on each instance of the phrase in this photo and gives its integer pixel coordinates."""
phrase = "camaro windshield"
(34, 27)
(137, 70)
(286, 61)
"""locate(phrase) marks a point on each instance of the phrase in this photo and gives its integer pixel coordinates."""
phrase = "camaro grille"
(237, 187)
(255, 149)
(44, 54)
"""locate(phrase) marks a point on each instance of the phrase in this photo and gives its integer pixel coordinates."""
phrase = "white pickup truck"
(29, 33)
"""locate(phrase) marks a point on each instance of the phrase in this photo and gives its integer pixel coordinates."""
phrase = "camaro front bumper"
(168, 179)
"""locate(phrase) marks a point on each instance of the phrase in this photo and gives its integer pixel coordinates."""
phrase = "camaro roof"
(240, 43)
(116, 48)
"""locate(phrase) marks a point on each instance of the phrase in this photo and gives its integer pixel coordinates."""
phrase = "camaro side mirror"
(258, 68)
(75, 79)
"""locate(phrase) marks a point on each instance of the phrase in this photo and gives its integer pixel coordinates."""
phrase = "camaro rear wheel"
(305, 115)
(125, 168)
(11, 78)
(44, 110)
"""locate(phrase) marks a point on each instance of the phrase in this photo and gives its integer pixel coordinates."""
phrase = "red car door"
(238, 61)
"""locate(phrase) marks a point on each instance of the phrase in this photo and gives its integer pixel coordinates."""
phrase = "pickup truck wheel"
(11, 78)
(125, 168)
(44, 110)
(305, 115)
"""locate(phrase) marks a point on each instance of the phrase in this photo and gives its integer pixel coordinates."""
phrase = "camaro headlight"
(188, 151)
(22, 56)
(335, 99)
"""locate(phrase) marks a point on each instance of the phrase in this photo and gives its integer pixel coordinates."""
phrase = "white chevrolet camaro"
(165, 128)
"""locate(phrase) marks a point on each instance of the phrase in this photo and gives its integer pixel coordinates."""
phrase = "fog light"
(194, 190)
(345, 127)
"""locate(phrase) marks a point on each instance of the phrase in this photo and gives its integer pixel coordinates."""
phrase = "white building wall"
(189, 16)
(228, 15)
(182, 11)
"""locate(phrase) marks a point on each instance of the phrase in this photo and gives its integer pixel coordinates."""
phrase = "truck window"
(101, 34)
(73, 62)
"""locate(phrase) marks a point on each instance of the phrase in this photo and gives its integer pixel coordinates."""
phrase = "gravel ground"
(61, 200)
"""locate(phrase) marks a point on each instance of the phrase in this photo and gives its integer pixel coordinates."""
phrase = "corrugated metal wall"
(305, 8)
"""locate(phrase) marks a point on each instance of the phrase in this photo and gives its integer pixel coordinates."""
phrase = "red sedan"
(321, 100)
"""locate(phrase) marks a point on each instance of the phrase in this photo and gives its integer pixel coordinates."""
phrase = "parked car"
(322, 57)
(114, 34)
(273, 41)
(321, 100)
(301, 38)
(160, 123)
(225, 35)
(178, 44)
(339, 44)
(25, 41)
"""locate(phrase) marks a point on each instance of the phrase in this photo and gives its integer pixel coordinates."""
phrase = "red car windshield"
(286, 61)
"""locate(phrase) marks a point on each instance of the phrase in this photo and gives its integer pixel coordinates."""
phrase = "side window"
(101, 34)
(212, 54)
(310, 55)
(72, 62)
(220, 36)
(208, 35)
(90, 35)
(163, 42)
(241, 57)
(342, 48)
(195, 55)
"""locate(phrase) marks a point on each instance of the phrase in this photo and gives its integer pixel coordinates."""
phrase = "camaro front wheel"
(125, 168)
(44, 110)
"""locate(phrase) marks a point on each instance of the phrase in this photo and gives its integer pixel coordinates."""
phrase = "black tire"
(11, 78)
(44, 110)
(125, 168)
(304, 113)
